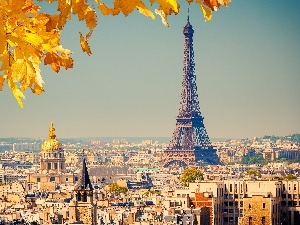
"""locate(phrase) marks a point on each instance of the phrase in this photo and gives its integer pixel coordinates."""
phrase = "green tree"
(190, 175)
(256, 159)
(290, 177)
(253, 172)
(114, 187)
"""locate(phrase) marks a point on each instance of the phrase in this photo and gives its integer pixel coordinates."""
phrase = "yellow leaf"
(84, 45)
(1, 82)
(35, 64)
(163, 16)
(174, 4)
(58, 57)
(47, 47)
(10, 42)
(126, 7)
(33, 39)
(59, 48)
(18, 70)
(144, 10)
(16, 92)
(206, 11)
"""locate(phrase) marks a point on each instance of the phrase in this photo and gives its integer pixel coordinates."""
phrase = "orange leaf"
(84, 45)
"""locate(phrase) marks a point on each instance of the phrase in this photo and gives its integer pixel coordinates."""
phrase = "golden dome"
(51, 144)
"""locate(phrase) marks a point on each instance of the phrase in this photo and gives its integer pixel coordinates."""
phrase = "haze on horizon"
(247, 68)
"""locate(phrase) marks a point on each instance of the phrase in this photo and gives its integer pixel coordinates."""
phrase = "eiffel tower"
(190, 144)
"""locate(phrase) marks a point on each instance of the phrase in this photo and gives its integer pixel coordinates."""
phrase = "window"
(250, 221)
(250, 208)
(52, 179)
(67, 179)
(76, 178)
(55, 166)
(38, 179)
(84, 197)
(283, 203)
(264, 205)
(295, 196)
(263, 220)
(49, 166)
(230, 188)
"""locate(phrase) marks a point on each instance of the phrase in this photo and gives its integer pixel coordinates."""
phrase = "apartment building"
(248, 202)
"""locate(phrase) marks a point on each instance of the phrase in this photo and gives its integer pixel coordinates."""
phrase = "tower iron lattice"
(190, 144)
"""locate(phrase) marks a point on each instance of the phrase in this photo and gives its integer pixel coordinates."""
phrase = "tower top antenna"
(188, 17)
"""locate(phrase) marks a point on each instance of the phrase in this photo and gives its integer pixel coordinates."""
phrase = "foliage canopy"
(255, 159)
(29, 36)
(290, 177)
(190, 175)
(114, 187)
(254, 173)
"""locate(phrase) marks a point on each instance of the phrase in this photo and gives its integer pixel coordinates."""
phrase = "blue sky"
(247, 66)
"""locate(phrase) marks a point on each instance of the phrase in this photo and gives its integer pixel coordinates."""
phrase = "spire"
(188, 29)
(84, 182)
(52, 134)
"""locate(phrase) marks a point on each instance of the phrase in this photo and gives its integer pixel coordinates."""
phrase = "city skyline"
(247, 68)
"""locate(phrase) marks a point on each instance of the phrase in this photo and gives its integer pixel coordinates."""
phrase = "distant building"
(52, 165)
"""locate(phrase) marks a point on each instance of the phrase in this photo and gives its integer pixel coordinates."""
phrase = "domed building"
(52, 165)
(52, 155)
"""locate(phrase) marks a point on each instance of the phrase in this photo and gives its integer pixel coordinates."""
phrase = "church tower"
(82, 208)
(52, 155)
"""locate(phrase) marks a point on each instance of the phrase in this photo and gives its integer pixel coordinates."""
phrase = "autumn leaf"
(207, 12)
(84, 45)
(29, 37)
(1, 82)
